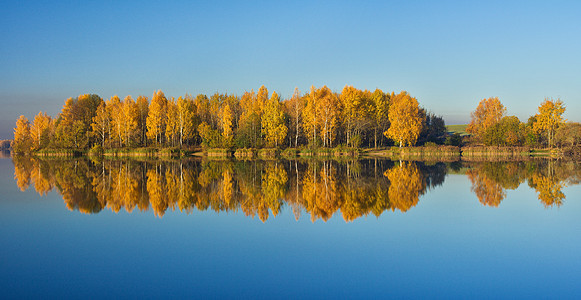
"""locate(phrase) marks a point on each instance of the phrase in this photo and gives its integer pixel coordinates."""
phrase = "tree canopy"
(316, 118)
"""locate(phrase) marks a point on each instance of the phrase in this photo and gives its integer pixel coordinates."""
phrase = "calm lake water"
(289, 229)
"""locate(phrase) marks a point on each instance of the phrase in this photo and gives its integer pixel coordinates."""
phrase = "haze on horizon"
(449, 55)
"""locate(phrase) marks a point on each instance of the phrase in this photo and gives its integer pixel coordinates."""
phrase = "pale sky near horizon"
(447, 54)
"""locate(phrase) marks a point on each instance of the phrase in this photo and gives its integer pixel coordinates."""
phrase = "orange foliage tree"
(405, 118)
(22, 141)
(41, 131)
(488, 113)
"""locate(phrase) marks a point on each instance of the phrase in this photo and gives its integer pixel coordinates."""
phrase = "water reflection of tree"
(490, 180)
(549, 177)
(72, 180)
(407, 185)
(257, 188)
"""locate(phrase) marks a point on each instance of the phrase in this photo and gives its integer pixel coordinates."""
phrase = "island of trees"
(318, 119)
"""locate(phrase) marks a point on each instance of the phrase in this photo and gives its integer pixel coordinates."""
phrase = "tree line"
(491, 126)
(318, 118)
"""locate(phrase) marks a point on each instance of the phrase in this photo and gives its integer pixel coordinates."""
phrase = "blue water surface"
(448, 246)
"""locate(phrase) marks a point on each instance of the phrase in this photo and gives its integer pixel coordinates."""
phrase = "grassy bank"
(428, 153)
(272, 153)
(59, 153)
(440, 153)
(470, 152)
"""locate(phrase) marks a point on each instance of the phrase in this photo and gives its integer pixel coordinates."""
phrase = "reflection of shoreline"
(320, 188)
(4, 154)
(490, 180)
(257, 188)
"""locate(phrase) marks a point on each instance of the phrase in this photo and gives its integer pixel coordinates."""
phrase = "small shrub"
(454, 140)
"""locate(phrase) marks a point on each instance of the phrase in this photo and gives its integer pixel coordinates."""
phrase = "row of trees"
(490, 125)
(318, 118)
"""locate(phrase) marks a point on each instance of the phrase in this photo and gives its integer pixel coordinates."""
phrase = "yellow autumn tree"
(549, 118)
(405, 119)
(310, 115)
(321, 112)
(328, 107)
(130, 120)
(294, 107)
(172, 125)
(157, 118)
(142, 111)
(379, 113)
(102, 123)
(186, 117)
(357, 115)
(250, 122)
(22, 140)
(488, 113)
(273, 125)
(227, 133)
(71, 131)
(115, 107)
(261, 98)
(40, 131)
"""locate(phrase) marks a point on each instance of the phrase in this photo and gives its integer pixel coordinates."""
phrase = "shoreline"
(427, 153)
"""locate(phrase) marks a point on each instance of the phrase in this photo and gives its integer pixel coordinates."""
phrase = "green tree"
(568, 134)
(510, 131)
(433, 129)
(210, 137)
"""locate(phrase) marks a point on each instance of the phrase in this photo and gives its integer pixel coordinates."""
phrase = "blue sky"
(448, 54)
